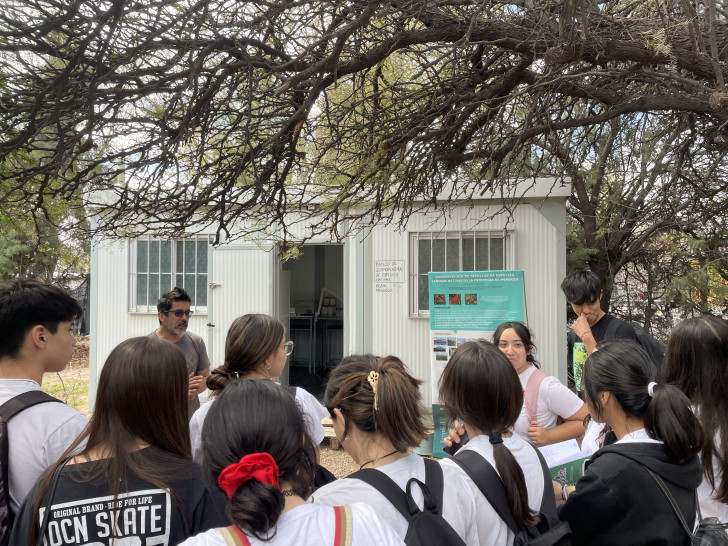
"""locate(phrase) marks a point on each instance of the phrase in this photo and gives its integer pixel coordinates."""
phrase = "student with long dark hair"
(255, 348)
(265, 464)
(480, 387)
(697, 363)
(546, 399)
(619, 499)
(134, 481)
(377, 413)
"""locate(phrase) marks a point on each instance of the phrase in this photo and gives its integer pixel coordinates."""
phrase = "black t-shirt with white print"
(86, 513)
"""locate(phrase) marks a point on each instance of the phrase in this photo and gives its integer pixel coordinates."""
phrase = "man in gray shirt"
(173, 311)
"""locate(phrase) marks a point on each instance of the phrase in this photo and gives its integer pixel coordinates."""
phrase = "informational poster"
(465, 306)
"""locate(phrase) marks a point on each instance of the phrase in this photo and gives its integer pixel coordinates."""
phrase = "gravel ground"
(338, 462)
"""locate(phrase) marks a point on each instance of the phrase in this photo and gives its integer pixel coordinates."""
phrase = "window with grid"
(451, 251)
(159, 265)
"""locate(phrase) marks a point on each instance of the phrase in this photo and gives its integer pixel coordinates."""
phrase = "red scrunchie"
(256, 466)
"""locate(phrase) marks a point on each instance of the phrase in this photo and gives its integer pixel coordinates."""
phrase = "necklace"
(374, 461)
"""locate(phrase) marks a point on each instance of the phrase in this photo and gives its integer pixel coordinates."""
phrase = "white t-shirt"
(458, 504)
(491, 528)
(554, 400)
(37, 437)
(311, 408)
(315, 525)
(709, 505)
(637, 436)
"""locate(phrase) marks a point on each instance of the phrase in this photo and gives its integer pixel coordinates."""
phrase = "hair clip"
(373, 380)
(651, 389)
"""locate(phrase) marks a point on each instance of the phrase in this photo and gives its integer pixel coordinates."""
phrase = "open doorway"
(316, 326)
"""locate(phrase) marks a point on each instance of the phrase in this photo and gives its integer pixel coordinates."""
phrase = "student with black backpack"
(480, 387)
(377, 413)
(36, 321)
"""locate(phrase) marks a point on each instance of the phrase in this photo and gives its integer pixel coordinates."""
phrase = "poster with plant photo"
(465, 306)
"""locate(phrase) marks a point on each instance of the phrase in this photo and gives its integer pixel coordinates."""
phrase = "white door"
(241, 282)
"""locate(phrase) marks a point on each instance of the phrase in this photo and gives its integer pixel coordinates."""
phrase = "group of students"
(132, 476)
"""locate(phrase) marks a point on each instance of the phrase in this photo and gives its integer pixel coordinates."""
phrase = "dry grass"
(71, 385)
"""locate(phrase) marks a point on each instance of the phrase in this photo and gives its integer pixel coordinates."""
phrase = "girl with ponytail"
(619, 499)
(255, 348)
(480, 387)
(377, 413)
(265, 465)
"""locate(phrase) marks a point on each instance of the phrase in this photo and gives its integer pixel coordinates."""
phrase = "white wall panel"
(109, 304)
(375, 321)
(537, 248)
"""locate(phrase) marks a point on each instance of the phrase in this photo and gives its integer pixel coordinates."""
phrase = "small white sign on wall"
(388, 274)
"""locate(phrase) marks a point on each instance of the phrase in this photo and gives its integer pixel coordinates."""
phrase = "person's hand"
(194, 385)
(454, 434)
(558, 494)
(581, 326)
(539, 436)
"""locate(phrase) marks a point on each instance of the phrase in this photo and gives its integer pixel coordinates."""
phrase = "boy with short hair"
(583, 290)
(36, 322)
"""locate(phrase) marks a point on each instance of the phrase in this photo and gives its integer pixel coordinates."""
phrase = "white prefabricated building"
(366, 294)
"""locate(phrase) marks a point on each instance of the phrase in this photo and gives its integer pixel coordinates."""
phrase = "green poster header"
(474, 300)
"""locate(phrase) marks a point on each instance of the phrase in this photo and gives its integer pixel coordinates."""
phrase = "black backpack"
(547, 532)
(8, 410)
(426, 527)
(654, 347)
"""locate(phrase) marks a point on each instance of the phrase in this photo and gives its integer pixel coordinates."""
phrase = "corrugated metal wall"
(113, 323)
(538, 247)
(246, 279)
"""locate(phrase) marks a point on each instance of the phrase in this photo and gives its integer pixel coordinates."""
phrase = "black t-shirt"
(85, 512)
(576, 353)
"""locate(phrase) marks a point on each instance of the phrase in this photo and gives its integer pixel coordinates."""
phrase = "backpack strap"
(435, 482)
(387, 487)
(488, 481)
(233, 536)
(494, 490)
(432, 489)
(344, 525)
(548, 502)
(530, 393)
(9, 410)
(23, 401)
